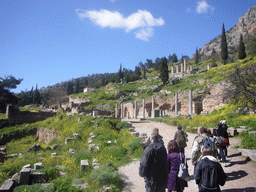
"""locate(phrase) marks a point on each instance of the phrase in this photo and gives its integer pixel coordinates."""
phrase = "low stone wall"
(18, 117)
(46, 135)
(17, 135)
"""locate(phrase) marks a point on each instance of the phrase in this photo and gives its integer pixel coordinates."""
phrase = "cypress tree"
(197, 57)
(241, 49)
(224, 46)
(164, 75)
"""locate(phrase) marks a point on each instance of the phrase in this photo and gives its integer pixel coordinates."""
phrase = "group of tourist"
(160, 167)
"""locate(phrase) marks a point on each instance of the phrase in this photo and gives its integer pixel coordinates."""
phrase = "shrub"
(248, 141)
(122, 125)
(107, 175)
(64, 184)
(134, 145)
(51, 173)
(34, 188)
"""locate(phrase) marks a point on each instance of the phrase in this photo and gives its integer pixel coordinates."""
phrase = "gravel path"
(241, 173)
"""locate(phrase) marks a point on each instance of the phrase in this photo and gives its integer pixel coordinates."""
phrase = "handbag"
(183, 170)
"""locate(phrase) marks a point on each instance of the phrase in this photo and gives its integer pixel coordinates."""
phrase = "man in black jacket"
(153, 165)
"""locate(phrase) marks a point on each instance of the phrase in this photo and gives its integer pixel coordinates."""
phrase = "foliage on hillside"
(120, 151)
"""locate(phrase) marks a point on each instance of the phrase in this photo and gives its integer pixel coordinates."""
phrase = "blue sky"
(50, 41)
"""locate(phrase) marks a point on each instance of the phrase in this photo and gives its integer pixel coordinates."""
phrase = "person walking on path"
(174, 183)
(209, 173)
(222, 131)
(181, 137)
(198, 145)
(160, 138)
(153, 165)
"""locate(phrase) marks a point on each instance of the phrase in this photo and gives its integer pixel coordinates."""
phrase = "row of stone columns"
(183, 66)
(153, 107)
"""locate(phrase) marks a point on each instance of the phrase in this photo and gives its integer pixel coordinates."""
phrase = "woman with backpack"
(174, 183)
(209, 173)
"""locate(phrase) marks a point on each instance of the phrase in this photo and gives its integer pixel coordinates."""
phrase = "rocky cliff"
(245, 26)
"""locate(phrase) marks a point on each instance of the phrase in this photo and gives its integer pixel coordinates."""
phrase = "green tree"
(243, 90)
(69, 88)
(120, 73)
(164, 75)
(224, 46)
(241, 49)
(77, 89)
(197, 57)
(37, 97)
(6, 96)
(214, 58)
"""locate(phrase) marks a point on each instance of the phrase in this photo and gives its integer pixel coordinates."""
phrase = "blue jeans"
(222, 153)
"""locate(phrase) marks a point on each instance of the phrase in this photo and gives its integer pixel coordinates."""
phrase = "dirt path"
(241, 173)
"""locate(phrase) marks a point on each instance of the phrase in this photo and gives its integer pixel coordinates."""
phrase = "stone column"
(176, 104)
(135, 110)
(191, 68)
(122, 107)
(143, 108)
(208, 67)
(190, 102)
(116, 111)
(172, 70)
(182, 68)
(153, 108)
(177, 68)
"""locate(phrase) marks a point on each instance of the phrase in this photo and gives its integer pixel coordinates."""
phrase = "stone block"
(253, 133)
(232, 131)
(131, 129)
(76, 135)
(243, 127)
(68, 140)
(53, 155)
(25, 176)
(241, 130)
(38, 165)
(37, 177)
(48, 148)
(16, 177)
(26, 166)
(8, 186)
(84, 164)
(93, 137)
(80, 184)
(249, 153)
(3, 149)
(91, 148)
(95, 160)
(71, 150)
(55, 146)
(91, 134)
(135, 134)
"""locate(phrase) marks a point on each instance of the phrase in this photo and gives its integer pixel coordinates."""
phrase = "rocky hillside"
(245, 26)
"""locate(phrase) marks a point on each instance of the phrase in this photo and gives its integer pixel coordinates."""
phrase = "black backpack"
(209, 181)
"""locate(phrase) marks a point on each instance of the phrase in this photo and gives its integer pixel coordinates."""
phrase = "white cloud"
(144, 34)
(141, 20)
(203, 7)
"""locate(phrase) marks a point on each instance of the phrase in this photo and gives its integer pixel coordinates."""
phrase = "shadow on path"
(249, 189)
(235, 155)
(234, 175)
(238, 162)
